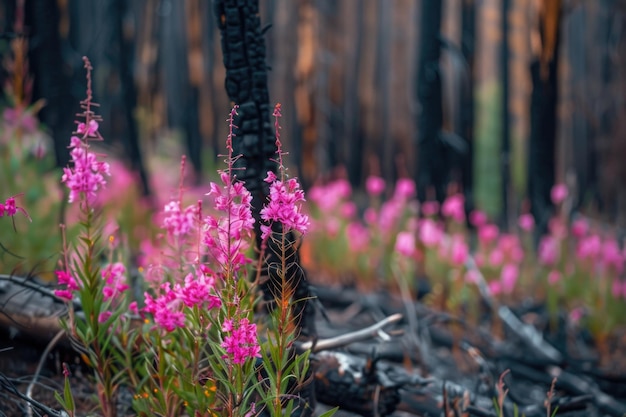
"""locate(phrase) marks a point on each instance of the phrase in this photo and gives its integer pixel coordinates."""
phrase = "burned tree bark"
(431, 167)
(468, 46)
(52, 80)
(129, 92)
(543, 118)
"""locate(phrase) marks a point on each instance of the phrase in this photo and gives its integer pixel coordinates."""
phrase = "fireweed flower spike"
(284, 205)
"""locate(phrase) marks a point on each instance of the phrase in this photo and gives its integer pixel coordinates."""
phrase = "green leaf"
(330, 412)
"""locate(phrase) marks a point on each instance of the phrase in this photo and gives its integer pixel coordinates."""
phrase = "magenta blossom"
(580, 227)
(549, 250)
(478, 218)
(405, 244)
(166, 308)
(558, 193)
(64, 278)
(454, 208)
(241, 342)
(430, 208)
(115, 280)
(226, 236)
(508, 277)
(179, 222)
(526, 222)
(429, 233)
(459, 250)
(488, 233)
(358, 237)
(284, 206)
(374, 185)
(554, 277)
(405, 189)
(87, 175)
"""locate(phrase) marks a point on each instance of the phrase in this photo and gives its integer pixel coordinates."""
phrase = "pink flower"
(166, 308)
(472, 276)
(580, 228)
(104, 316)
(588, 247)
(89, 130)
(459, 250)
(526, 222)
(370, 216)
(358, 237)
(348, 210)
(429, 233)
(241, 343)
(478, 218)
(454, 208)
(405, 244)
(405, 189)
(64, 278)
(576, 314)
(390, 213)
(496, 257)
(87, 175)
(284, 206)
(557, 227)
(114, 275)
(488, 233)
(549, 250)
(430, 208)
(178, 222)
(558, 193)
(199, 291)
(554, 277)
(511, 247)
(612, 255)
(508, 277)
(133, 307)
(495, 287)
(374, 185)
(225, 235)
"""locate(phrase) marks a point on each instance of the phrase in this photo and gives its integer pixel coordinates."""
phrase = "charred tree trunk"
(543, 117)
(51, 78)
(468, 46)
(505, 163)
(129, 92)
(431, 166)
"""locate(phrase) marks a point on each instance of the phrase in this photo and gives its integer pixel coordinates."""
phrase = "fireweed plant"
(191, 345)
(578, 266)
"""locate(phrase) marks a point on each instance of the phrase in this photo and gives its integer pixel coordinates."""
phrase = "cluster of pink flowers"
(87, 174)
(65, 278)
(114, 276)
(167, 308)
(284, 206)
(227, 237)
(179, 222)
(241, 342)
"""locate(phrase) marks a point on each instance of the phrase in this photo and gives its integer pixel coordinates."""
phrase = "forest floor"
(433, 363)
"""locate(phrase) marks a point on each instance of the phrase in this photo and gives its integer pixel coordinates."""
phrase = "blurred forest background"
(442, 91)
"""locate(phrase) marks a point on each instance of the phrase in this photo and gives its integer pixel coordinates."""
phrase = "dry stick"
(348, 338)
(29, 390)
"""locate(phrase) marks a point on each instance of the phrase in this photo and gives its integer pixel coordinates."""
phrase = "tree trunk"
(431, 166)
(543, 119)
(51, 77)
(468, 46)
